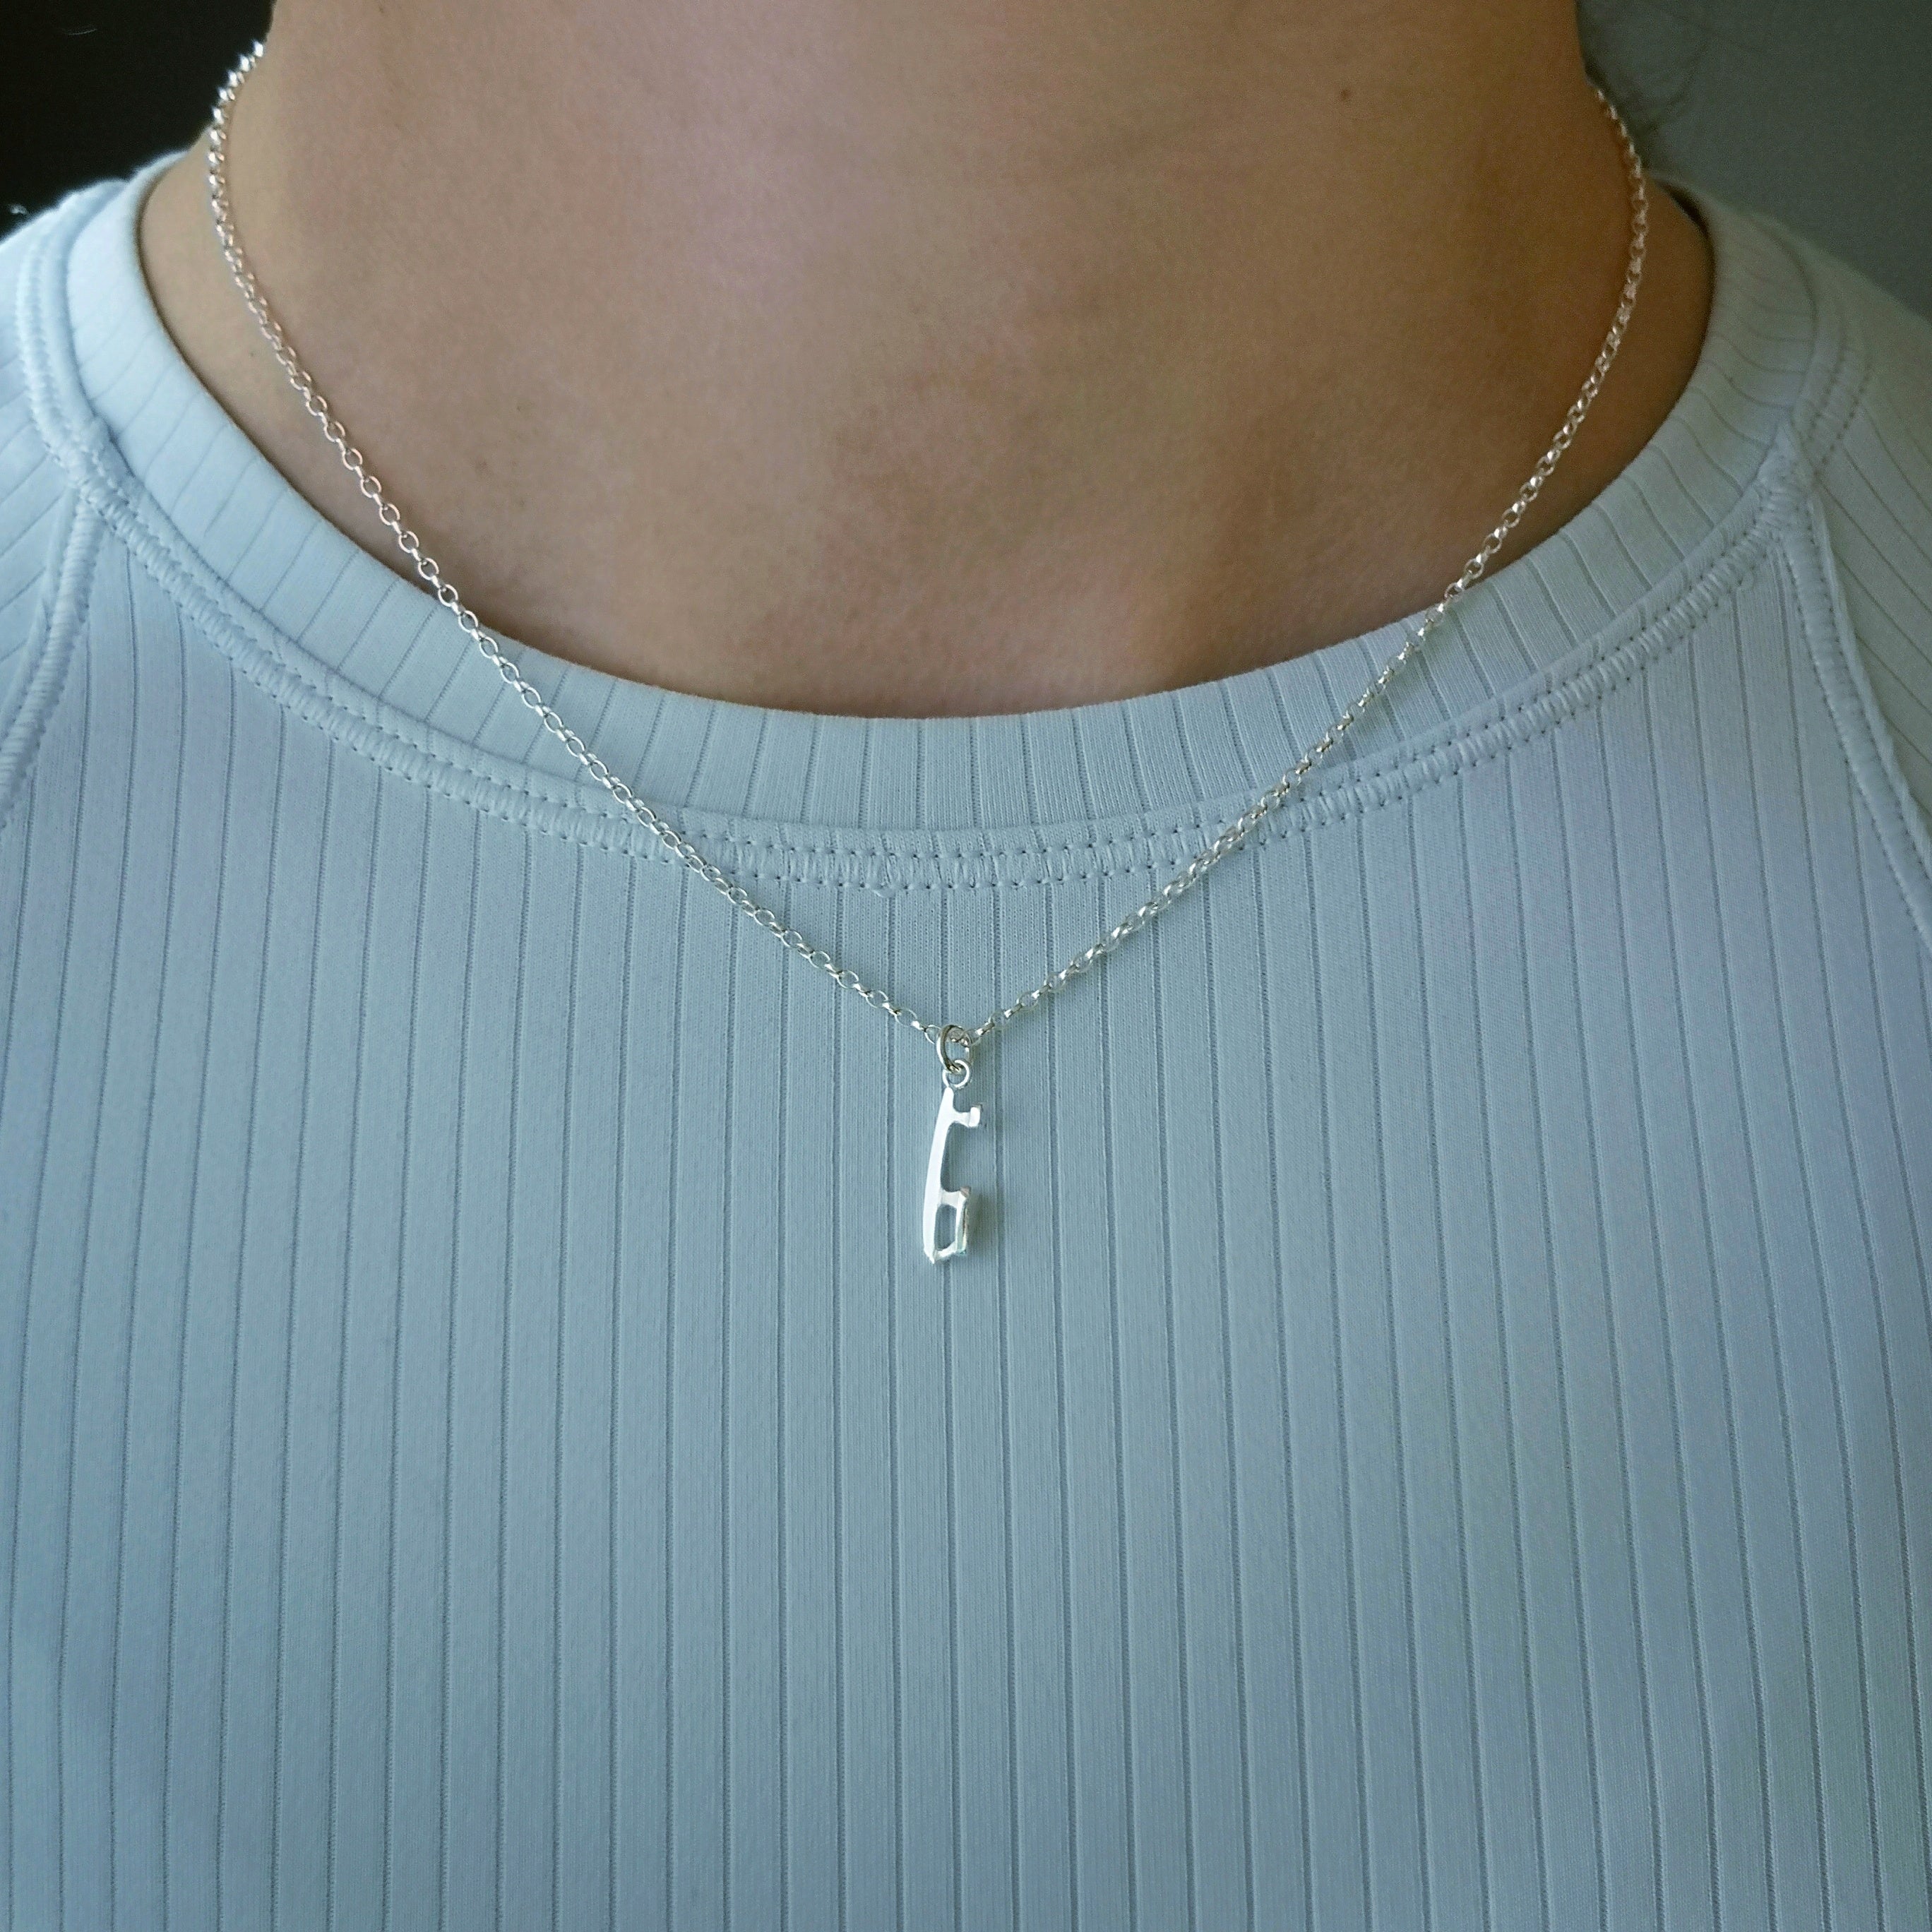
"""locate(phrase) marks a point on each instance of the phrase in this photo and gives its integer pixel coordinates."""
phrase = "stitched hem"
(1136, 843)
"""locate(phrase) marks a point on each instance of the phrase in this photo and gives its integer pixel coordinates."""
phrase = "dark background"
(90, 88)
(1817, 111)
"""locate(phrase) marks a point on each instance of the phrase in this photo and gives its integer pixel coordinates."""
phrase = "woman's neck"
(890, 357)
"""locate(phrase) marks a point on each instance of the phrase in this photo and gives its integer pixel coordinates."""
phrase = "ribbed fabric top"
(1430, 1428)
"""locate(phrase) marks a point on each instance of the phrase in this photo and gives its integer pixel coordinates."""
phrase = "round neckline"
(369, 652)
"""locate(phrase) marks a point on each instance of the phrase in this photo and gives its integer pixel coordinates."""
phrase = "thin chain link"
(955, 1043)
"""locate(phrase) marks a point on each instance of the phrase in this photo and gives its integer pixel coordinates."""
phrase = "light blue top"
(1432, 1428)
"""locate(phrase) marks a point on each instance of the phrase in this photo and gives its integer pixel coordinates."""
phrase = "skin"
(881, 357)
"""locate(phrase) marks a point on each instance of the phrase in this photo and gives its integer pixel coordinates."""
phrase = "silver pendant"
(955, 1065)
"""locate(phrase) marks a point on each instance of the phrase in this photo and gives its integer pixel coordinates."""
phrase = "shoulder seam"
(1823, 416)
(1864, 737)
(66, 580)
(1902, 822)
(49, 647)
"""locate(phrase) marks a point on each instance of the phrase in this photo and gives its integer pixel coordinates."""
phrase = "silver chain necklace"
(943, 1207)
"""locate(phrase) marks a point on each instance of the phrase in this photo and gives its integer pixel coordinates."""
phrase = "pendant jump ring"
(955, 1055)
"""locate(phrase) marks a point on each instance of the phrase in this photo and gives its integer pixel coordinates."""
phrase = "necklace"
(943, 1217)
